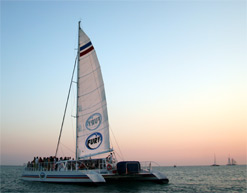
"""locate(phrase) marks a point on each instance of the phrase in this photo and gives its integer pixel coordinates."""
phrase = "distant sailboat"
(215, 161)
(231, 162)
(234, 162)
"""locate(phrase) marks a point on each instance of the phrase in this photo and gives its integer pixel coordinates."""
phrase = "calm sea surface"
(182, 179)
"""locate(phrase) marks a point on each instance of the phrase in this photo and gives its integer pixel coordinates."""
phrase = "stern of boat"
(133, 171)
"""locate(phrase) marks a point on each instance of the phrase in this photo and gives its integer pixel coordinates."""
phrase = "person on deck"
(109, 158)
(36, 162)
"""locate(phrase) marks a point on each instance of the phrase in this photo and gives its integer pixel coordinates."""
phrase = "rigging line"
(119, 156)
(66, 106)
(68, 148)
(62, 152)
(72, 109)
(116, 143)
(116, 152)
(72, 128)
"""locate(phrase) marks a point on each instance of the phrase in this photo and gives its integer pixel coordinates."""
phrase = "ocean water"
(182, 179)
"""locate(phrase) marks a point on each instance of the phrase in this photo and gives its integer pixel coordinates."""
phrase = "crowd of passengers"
(49, 163)
(46, 163)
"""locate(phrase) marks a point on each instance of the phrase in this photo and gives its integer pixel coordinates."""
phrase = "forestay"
(92, 117)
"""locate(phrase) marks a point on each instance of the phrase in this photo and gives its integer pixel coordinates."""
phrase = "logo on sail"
(94, 141)
(94, 121)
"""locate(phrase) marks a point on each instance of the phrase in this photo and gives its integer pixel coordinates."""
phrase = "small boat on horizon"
(231, 162)
(92, 135)
(215, 161)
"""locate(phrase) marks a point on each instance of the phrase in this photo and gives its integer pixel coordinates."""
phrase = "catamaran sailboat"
(92, 138)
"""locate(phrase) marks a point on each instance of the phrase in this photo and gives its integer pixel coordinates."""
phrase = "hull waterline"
(91, 177)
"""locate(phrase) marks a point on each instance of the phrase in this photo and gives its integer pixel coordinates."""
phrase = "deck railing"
(148, 165)
(65, 166)
(44, 166)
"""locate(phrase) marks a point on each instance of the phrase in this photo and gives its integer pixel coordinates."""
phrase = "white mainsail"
(92, 116)
(229, 161)
(233, 162)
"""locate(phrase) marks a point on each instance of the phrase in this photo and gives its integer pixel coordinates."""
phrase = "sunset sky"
(175, 75)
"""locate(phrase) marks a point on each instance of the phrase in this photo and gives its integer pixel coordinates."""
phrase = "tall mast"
(66, 105)
(77, 108)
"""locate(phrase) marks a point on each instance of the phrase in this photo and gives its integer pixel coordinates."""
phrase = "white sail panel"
(93, 127)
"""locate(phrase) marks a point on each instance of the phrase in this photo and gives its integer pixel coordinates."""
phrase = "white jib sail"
(93, 127)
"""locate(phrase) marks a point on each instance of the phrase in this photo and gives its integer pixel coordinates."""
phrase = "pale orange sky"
(174, 75)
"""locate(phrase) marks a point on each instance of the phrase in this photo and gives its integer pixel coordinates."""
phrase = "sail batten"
(94, 90)
(92, 106)
(89, 73)
(92, 117)
(90, 112)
